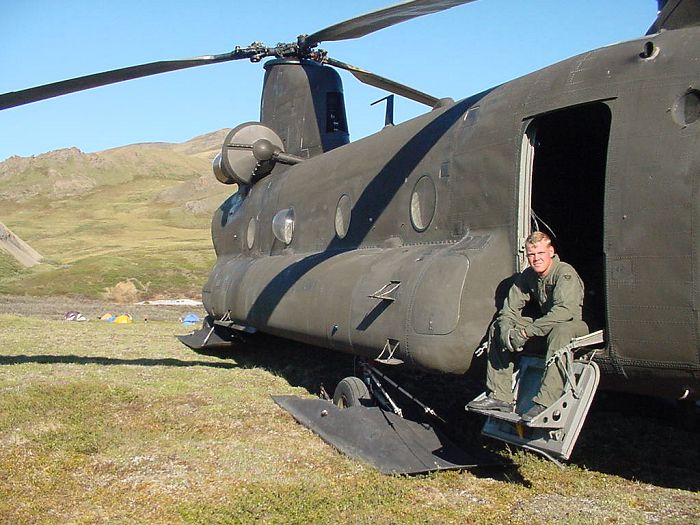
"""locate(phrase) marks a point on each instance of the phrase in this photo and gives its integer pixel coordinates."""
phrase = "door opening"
(568, 152)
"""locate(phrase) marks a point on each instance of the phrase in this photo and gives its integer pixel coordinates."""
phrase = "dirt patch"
(126, 292)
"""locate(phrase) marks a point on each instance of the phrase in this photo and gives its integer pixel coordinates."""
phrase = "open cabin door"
(561, 192)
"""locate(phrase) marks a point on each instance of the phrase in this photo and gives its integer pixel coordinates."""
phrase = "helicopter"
(397, 248)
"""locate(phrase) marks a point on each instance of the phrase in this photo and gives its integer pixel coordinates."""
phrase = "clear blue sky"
(455, 53)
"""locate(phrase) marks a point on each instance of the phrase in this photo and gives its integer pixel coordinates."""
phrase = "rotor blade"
(369, 23)
(63, 87)
(384, 83)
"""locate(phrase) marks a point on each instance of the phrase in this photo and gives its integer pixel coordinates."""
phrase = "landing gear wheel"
(351, 392)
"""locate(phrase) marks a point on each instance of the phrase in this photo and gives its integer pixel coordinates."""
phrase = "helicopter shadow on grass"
(641, 438)
(107, 361)
(635, 437)
(311, 368)
(624, 435)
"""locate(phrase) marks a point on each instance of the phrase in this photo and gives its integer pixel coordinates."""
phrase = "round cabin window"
(423, 203)
(343, 213)
(250, 234)
(686, 109)
(283, 225)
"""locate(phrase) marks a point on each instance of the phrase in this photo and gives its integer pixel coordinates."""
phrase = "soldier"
(555, 292)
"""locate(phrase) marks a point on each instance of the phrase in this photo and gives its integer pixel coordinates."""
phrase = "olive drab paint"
(434, 207)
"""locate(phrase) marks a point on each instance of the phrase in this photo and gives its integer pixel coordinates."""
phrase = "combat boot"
(490, 403)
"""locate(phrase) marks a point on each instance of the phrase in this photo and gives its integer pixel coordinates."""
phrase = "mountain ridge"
(69, 172)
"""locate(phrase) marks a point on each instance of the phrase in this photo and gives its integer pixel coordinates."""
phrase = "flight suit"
(556, 301)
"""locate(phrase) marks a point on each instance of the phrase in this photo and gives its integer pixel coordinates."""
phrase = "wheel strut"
(372, 375)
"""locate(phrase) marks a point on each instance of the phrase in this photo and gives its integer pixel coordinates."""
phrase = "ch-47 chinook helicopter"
(398, 247)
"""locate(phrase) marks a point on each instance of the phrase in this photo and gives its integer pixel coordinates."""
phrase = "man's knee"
(562, 334)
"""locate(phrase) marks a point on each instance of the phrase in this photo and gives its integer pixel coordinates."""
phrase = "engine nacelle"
(248, 154)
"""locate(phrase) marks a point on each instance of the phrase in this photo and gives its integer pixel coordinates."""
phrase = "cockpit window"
(231, 206)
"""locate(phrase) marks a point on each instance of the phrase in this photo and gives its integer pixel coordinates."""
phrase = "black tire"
(351, 392)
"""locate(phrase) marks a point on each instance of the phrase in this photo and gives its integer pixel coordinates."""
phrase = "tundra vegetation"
(122, 424)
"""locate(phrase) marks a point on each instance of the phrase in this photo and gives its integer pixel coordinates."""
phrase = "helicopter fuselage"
(403, 244)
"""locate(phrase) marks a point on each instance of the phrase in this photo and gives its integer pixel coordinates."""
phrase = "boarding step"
(555, 431)
(511, 417)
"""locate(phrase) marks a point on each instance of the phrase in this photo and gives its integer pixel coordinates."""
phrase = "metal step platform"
(555, 431)
(215, 334)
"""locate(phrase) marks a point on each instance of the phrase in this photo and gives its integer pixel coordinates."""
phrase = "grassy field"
(87, 253)
(139, 214)
(103, 423)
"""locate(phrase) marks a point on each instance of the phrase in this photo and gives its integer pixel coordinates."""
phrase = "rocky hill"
(138, 214)
(70, 172)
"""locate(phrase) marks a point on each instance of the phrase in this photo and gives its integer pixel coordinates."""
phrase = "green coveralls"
(559, 296)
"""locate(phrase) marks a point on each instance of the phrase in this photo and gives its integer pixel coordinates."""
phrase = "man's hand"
(504, 337)
(516, 339)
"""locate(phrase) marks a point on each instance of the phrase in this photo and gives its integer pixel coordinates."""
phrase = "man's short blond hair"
(536, 237)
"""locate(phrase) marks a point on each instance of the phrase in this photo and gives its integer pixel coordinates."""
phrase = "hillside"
(138, 215)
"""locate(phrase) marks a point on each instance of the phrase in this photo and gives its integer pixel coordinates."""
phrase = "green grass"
(168, 271)
(139, 213)
(9, 267)
(152, 243)
(121, 424)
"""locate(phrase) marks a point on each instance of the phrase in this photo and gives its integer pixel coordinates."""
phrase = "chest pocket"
(548, 288)
(543, 294)
(534, 295)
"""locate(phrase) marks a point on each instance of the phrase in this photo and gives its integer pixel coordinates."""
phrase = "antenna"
(389, 115)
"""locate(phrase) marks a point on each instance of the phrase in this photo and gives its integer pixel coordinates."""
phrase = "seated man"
(555, 291)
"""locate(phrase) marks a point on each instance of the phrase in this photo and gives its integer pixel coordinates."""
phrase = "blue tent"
(190, 319)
